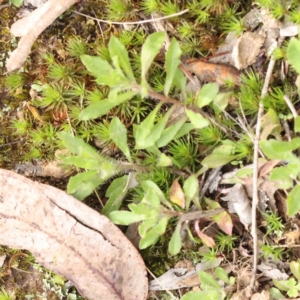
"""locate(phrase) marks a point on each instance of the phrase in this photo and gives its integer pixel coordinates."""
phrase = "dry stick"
(255, 169)
(136, 22)
(290, 105)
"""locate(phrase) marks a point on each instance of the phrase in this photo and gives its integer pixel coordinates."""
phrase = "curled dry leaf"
(210, 72)
(182, 277)
(30, 27)
(239, 203)
(176, 194)
(71, 239)
(246, 49)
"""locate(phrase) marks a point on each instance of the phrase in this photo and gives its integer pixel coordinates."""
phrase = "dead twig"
(290, 105)
(255, 169)
(135, 22)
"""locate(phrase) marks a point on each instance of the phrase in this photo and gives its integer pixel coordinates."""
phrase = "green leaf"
(293, 203)
(215, 160)
(162, 225)
(103, 71)
(115, 193)
(270, 122)
(158, 128)
(102, 107)
(142, 131)
(295, 268)
(208, 281)
(149, 239)
(172, 63)
(154, 189)
(284, 285)
(276, 294)
(125, 217)
(212, 295)
(196, 119)
(82, 162)
(185, 129)
(154, 233)
(79, 146)
(207, 94)
(222, 274)
(293, 293)
(297, 124)
(151, 197)
(116, 48)
(83, 184)
(16, 3)
(220, 102)
(146, 225)
(280, 149)
(191, 190)
(150, 49)
(175, 243)
(118, 134)
(143, 209)
(293, 51)
(285, 175)
(164, 161)
(179, 81)
(169, 133)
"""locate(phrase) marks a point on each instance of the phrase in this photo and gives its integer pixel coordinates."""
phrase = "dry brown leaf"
(71, 239)
(270, 270)
(239, 203)
(183, 277)
(246, 49)
(292, 237)
(30, 27)
(263, 295)
(210, 72)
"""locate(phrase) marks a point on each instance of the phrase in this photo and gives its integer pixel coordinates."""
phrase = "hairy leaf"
(293, 203)
(118, 134)
(196, 119)
(293, 51)
(175, 243)
(83, 184)
(115, 193)
(207, 94)
(150, 49)
(102, 107)
(116, 48)
(172, 63)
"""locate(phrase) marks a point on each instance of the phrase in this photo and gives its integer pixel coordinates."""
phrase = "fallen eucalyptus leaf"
(71, 239)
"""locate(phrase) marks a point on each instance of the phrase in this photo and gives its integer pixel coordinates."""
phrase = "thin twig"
(255, 169)
(198, 214)
(136, 22)
(290, 105)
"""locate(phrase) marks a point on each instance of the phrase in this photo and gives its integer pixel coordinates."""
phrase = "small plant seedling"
(290, 286)
(274, 224)
(4, 295)
(210, 288)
